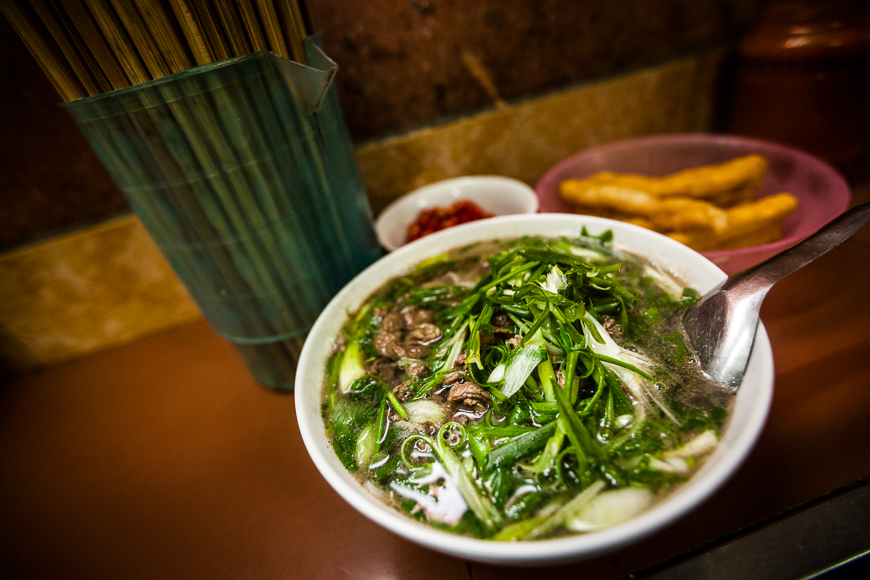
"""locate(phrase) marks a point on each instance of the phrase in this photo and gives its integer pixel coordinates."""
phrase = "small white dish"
(746, 423)
(494, 194)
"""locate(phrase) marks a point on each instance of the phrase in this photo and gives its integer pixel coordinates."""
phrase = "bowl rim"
(521, 190)
(572, 548)
(840, 185)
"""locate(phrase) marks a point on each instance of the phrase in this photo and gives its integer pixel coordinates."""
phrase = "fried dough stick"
(749, 224)
(724, 184)
(662, 214)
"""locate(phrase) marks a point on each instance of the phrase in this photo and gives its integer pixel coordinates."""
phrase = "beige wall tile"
(86, 292)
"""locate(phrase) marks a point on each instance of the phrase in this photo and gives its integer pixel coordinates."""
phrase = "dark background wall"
(404, 64)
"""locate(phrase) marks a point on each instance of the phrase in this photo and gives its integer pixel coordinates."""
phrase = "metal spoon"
(721, 325)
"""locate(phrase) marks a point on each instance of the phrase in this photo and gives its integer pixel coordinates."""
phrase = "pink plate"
(822, 192)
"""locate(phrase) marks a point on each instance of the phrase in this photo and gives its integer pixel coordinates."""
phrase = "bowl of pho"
(517, 390)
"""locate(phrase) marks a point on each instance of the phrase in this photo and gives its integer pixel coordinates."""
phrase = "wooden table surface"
(165, 459)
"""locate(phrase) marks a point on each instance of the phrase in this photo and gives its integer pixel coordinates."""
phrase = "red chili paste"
(434, 219)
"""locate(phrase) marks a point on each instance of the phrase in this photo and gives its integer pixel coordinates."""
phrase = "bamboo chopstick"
(92, 37)
(88, 47)
(192, 29)
(68, 47)
(251, 25)
(290, 20)
(272, 28)
(160, 24)
(117, 38)
(43, 48)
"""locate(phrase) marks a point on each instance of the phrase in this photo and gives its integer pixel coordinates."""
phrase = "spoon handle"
(761, 277)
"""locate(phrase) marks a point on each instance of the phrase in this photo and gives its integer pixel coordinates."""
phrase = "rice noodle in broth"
(523, 389)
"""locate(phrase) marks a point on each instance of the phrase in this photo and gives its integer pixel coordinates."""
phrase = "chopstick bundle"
(204, 160)
(89, 47)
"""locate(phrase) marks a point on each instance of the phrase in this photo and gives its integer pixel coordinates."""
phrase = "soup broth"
(522, 389)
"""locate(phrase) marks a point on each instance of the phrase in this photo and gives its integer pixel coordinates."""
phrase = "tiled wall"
(410, 63)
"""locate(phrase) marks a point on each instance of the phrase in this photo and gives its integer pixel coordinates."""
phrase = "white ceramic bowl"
(747, 420)
(494, 194)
